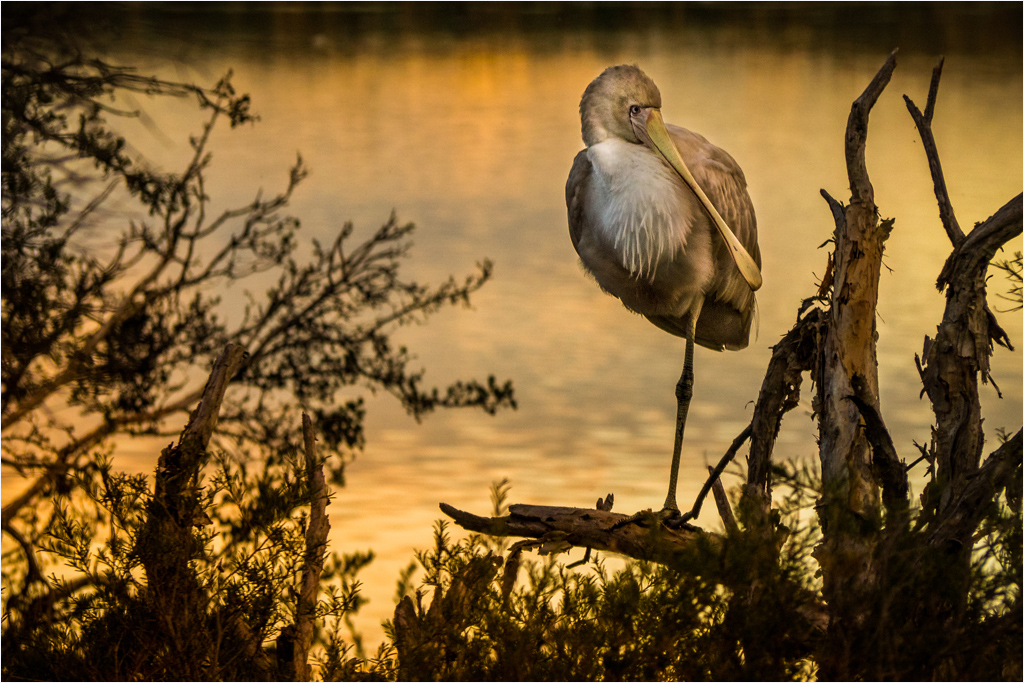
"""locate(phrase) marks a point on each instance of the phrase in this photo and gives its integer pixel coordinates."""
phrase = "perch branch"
(560, 528)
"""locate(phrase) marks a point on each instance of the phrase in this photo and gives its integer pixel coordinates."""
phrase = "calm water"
(465, 122)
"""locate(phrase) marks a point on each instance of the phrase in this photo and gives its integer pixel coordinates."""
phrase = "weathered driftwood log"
(558, 529)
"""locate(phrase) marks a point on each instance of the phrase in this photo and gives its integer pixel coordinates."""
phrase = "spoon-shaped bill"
(660, 139)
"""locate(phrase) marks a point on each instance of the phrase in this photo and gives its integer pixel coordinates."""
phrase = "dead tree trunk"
(194, 634)
(850, 511)
(169, 544)
(295, 640)
(958, 356)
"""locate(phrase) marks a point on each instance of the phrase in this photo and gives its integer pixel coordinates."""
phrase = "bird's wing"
(728, 310)
(575, 190)
(723, 182)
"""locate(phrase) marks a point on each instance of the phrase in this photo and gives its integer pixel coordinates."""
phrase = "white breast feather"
(638, 206)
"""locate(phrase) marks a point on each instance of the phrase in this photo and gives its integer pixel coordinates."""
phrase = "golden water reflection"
(472, 137)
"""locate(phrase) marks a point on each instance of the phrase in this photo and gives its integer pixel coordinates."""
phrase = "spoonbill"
(662, 220)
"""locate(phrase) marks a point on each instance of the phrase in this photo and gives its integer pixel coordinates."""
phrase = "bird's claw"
(672, 518)
(667, 514)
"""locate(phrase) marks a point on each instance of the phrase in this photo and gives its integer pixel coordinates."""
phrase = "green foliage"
(1013, 267)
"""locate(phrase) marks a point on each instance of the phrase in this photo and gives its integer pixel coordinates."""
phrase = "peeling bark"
(952, 363)
(849, 510)
(795, 354)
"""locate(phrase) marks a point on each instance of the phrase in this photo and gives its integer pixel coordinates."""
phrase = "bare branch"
(857, 132)
(724, 508)
(933, 91)
(716, 473)
(965, 511)
(300, 634)
(924, 128)
(972, 255)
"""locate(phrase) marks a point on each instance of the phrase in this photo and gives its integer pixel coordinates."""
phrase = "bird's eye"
(634, 109)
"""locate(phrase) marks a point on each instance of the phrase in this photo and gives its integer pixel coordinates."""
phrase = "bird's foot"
(671, 518)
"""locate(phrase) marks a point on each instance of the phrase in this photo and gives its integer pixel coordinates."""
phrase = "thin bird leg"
(684, 392)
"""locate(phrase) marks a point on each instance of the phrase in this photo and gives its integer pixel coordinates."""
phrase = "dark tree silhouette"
(104, 344)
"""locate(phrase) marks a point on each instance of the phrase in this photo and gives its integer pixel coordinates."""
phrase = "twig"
(724, 508)
(296, 667)
(716, 472)
(924, 128)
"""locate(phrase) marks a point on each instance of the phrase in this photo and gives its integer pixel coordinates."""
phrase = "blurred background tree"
(111, 322)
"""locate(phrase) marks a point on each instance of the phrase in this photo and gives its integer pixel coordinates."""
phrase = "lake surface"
(465, 121)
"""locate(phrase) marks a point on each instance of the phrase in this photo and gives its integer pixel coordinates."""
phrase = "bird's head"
(617, 104)
(623, 102)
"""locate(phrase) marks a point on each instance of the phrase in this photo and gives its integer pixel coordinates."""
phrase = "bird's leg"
(684, 392)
